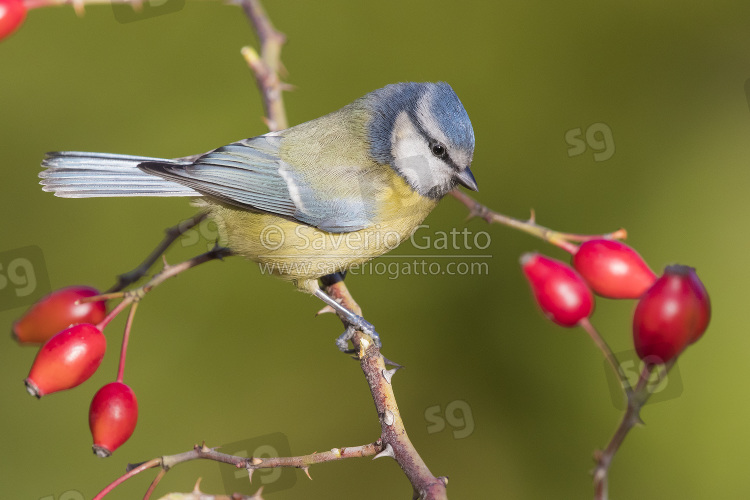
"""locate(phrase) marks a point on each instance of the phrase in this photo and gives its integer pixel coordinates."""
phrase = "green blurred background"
(226, 355)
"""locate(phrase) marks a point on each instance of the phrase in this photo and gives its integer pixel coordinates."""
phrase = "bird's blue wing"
(250, 174)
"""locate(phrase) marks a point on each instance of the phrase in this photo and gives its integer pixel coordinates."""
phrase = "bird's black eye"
(438, 149)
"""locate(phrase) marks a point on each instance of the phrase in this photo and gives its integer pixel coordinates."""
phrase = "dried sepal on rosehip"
(671, 315)
(560, 291)
(112, 417)
(12, 15)
(66, 360)
(57, 311)
(613, 269)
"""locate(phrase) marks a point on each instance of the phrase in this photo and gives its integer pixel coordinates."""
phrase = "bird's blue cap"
(387, 103)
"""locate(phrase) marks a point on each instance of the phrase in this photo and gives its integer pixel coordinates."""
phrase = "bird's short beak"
(466, 179)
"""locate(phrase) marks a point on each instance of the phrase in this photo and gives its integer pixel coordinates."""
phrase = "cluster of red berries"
(12, 15)
(673, 310)
(72, 348)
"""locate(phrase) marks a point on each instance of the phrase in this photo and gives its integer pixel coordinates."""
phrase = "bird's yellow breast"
(302, 253)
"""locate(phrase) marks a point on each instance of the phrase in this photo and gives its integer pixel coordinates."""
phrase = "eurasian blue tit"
(316, 198)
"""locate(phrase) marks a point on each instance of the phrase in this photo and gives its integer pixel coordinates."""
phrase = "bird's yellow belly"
(301, 253)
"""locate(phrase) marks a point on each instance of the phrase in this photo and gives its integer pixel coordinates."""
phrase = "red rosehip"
(671, 315)
(112, 417)
(66, 360)
(58, 311)
(613, 269)
(559, 290)
(12, 14)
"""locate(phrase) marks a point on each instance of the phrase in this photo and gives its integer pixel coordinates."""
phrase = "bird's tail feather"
(75, 174)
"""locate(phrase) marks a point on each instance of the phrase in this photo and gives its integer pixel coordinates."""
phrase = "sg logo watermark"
(457, 414)
(207, 232)
(127, 13)
(23, 277)
(276, 479)
(661, 386)
(598, 136)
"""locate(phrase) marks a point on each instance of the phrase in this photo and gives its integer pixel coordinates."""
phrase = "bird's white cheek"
(409, 150)
(413, 158)
(416, 169)
(424, 172)
(406, 140)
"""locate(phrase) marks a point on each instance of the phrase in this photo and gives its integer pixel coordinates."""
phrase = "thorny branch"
(562, 240)
(203, 452)
(126, 279)
(394, 441)
(267, 67)
(636, 398)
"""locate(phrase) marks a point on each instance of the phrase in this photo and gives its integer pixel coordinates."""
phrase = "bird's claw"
(359, 325)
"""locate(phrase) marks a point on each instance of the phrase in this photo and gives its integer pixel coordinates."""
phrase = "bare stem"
(607, 352)
(395, 441)
(126, 279)
(251, 463)
(267, 66)
(133, 296)
(202, 452)
(132, 472)
(562, 240)
(632, 417)
(125, 338)
(112, 314)
(155, 483)
(171, 271)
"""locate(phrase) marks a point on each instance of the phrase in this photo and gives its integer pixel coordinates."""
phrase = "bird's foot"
(358, 323)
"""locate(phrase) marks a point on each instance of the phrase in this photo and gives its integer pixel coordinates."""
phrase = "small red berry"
(12, 14)
(66, 360)
(671, 315)
(112, 417)
(57, 311)
(559, 290)
(613, 269)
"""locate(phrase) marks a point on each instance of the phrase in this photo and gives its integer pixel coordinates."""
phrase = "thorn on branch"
(392, 363)
(387, 452)
(327, 309)
(562, 240)
(388, 374)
